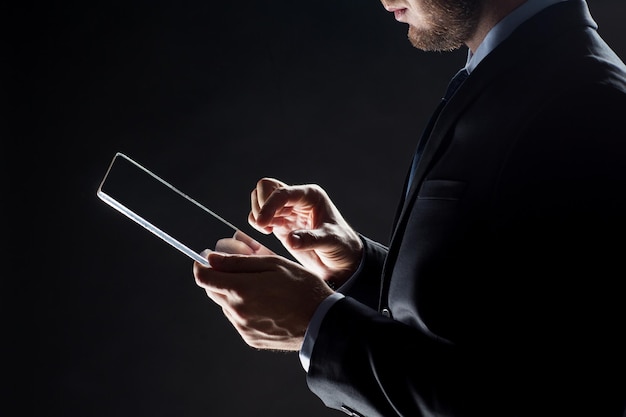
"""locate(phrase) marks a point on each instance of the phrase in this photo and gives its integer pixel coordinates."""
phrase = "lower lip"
(399, 13)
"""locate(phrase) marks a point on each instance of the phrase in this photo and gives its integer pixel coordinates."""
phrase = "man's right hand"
(309, 225)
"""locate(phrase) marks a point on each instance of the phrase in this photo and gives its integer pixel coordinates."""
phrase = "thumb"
(311, 239)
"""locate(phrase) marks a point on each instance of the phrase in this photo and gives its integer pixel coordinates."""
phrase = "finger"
(218, 298)
(243, 237)
(255, 206)
(257, 248)
(266, 187)
(220, 286)
(206, 277)
(232, 275)
(242, 264)
(281, 201)
(263, 229)
(254, 214)
(233, 246)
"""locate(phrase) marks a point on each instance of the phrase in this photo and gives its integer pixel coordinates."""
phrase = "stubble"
(450, 24)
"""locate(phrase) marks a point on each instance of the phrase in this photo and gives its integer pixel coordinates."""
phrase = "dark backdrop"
(99, 317)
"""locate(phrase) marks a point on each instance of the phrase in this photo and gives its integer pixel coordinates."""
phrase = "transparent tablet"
(164, 210)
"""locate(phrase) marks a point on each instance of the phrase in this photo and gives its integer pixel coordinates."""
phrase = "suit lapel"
(440, 136)
(437, 142)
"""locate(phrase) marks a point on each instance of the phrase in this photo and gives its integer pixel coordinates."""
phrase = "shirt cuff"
(314, 327)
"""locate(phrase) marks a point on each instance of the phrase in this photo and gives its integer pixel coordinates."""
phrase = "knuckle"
(252, 341)
(262, 182)
(281, 192)
(240, 317)
(319, 191)
(236, 295)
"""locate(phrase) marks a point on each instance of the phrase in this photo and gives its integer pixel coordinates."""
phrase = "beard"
(451, 23)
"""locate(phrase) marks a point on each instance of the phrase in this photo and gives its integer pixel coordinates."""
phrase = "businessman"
(499, 293)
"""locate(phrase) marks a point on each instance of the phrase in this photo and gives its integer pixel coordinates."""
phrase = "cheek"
(419, 15)
(420, 25)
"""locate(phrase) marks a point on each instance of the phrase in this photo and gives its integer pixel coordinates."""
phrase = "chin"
(431, 40)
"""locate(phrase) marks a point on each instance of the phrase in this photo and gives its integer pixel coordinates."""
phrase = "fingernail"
(296, 241)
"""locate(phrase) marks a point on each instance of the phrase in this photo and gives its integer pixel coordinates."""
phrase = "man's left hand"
(268, 299)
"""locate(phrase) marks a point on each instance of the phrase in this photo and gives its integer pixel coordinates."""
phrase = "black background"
(99, 317)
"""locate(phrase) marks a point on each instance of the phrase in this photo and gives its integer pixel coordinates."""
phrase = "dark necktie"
(453, 85)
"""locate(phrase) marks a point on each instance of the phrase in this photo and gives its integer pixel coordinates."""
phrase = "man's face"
(436, 25)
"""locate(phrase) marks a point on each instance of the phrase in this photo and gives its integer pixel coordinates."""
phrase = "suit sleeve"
(365, 286)
(558, 200)
(365, 363)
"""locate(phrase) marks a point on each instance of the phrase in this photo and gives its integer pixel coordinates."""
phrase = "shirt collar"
(504, 28)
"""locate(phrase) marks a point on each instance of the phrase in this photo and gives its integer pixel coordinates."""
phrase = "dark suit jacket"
(502, 285)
